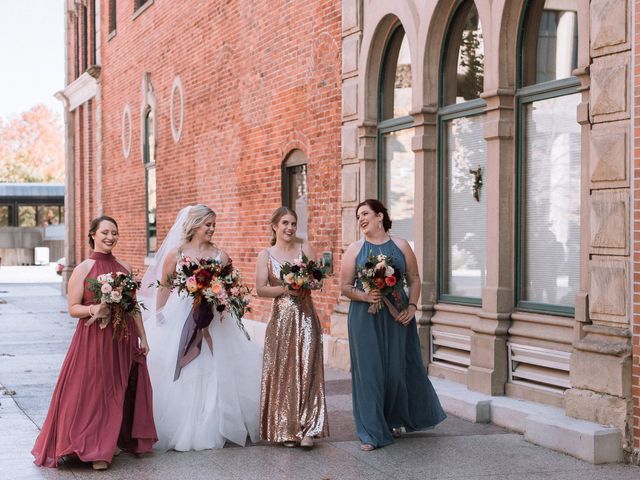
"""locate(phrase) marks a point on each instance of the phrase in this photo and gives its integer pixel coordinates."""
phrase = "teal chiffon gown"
(390, 384)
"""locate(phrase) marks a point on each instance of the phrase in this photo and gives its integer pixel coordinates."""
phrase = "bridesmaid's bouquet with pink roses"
(118, 290)
(213, 285)
(378, 273)
(303, 273)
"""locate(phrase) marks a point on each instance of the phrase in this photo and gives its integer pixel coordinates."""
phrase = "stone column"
(424, 146)
(488, 371)
(69, 191)
(601, 358)
(353, 173)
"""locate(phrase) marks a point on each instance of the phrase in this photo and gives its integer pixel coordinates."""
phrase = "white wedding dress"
(216, 398)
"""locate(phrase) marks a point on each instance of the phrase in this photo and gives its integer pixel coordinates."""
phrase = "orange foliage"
(32, 147)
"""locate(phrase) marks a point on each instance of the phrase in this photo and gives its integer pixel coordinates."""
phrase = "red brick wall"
(635, 369)
(260, 78)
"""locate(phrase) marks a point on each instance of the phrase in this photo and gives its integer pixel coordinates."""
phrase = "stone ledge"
(588, 441)
(543, 425)
(457, 400)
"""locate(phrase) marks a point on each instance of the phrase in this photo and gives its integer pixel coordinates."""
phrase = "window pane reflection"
(151, 210)
(464, 58)
(399, 175)
(49, 215)
(297, 178)
(396, 77)
(5, 215)
(26, 216)
(550, 46)
(552, 200)
(465, 226)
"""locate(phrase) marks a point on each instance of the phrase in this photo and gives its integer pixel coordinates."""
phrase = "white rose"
(389, 271)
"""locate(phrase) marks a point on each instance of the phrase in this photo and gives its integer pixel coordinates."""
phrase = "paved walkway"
(34, 334)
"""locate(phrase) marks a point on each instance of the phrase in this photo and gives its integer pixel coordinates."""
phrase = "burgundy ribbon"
(376, 307)
(196, 328)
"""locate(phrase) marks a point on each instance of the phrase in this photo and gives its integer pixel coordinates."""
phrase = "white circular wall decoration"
(126, 131)
(176, 113)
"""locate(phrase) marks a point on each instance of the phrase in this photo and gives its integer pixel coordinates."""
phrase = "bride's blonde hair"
(198, 215)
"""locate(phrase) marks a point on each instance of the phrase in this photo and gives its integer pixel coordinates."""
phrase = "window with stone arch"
(396, 160)
(149, 158)
(294, 188)
(549, 165)
(462, 160)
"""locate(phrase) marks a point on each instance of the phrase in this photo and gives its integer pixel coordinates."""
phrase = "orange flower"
(391, 281)
(378, 282)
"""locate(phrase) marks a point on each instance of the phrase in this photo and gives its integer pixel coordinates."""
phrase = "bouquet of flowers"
(213, 285)
(118, 290)
(378, 273)
(303, 274)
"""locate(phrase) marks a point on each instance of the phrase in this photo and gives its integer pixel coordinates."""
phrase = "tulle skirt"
(216, 398)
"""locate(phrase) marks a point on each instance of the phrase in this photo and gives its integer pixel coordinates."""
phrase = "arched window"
(294, 188)
(149, 158)
(462, 160)
(548, 247)
(396, 161)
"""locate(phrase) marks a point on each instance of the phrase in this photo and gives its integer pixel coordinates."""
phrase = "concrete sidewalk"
(34, 334)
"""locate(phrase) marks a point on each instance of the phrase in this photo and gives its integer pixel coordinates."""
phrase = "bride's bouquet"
(213, 286)
(303, 273)
(378, 273)
(118, 290)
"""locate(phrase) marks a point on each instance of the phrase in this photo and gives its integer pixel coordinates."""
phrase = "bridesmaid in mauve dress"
(103, 395)
(390, 386)
(292, 403)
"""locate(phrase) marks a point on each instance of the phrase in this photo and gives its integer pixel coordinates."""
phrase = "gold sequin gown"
(292, 403)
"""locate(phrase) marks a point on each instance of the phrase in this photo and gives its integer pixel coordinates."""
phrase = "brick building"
(498, 133)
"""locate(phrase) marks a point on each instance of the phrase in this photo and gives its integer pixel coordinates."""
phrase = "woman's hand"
(405, 316)
(144, 346)
(101, 310)
(301, 293)
(373, 297)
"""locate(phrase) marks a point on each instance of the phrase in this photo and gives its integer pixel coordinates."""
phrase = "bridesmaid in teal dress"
(391, 389)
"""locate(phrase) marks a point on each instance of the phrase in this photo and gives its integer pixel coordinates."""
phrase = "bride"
(215, 396)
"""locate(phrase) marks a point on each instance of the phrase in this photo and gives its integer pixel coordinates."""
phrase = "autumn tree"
(32, 147)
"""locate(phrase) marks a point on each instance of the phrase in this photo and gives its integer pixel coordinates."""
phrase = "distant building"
(498, 132)
(31, 216)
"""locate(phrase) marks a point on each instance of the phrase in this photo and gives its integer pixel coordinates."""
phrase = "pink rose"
(192, 284)
(116, 296)
(106, 288)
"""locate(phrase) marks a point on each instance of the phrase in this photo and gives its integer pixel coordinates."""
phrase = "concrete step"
(543, 425)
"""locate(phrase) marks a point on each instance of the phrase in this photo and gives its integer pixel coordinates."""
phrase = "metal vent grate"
(539, 367)
(450, 348)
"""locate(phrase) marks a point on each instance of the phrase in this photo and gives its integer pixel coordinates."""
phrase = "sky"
(31, 54)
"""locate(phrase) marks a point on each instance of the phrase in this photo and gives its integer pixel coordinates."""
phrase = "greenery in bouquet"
(379, 273)
(303, 273)
(219, 285)
(118, 290)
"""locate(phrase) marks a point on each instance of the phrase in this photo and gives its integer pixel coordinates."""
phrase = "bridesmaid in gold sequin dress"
(292, 402)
